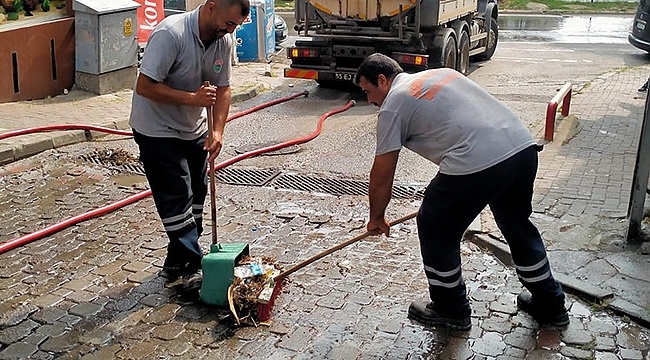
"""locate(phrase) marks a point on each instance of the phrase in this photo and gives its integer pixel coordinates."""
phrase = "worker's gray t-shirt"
(175, 56)
(450, 120)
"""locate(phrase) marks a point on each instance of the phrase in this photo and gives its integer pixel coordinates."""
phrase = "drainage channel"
(121, 161)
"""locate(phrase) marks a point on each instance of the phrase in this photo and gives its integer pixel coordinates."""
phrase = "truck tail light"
(411, 59)
(300, 52)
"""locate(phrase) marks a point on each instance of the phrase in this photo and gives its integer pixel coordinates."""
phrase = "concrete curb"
(39, 143)
(580, 288)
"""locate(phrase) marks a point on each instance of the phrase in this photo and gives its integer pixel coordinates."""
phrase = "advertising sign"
(150, 14)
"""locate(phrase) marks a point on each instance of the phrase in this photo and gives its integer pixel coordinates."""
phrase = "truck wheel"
(462, 65)
(443, 50)
(492, 39)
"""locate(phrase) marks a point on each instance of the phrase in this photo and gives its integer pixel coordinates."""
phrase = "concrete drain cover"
(237, 176)
(288, 150)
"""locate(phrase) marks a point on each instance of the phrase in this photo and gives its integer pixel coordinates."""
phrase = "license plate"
(640, 24)
(343, 76)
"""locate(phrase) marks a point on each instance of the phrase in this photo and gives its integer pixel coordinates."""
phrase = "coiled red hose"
(22, 240)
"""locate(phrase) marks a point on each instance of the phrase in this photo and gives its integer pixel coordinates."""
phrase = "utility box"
(256, 36)
(105, 33)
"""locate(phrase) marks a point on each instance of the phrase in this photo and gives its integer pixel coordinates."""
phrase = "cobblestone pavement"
(92, 290)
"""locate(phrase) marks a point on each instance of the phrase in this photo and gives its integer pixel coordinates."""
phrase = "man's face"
(224, 20)
(376, 94)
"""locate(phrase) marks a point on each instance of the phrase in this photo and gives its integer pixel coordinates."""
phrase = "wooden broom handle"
(340, 246)
(212, 175)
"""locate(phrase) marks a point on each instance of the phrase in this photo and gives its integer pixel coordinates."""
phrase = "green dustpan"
(219, 265)
(218, 272)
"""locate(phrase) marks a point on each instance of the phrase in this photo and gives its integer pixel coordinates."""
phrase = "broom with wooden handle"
(212, 176)
(268, 295)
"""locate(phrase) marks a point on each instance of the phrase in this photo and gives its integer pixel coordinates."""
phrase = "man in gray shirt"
(169, 121)
(486, 157)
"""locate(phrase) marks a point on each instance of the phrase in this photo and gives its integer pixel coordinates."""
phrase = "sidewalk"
(582, 193)
(111, 111)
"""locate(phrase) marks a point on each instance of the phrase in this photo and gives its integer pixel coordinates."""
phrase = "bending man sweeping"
(486, 157)
(168, 118)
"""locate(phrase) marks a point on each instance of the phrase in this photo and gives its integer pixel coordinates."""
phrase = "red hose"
(22, 240)
(48, 128)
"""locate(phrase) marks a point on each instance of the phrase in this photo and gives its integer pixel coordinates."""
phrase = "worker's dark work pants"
(177, 174)
(451, 203)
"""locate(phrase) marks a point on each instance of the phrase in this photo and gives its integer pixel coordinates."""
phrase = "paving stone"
(35, 339)
(108, 352)
(16, 316)
(504, 304)
(577, 336)
(141, 350)
(168, 331)
(18, 351)
(154, 300)
(343, 353)
(81, 296)
(63, 343)
(457, 349)
(521, 338)
(54, 329)
(497, 323)
(605, 343)
(70, 319)
(85, 309)
(161, 315)
(41, 355)
(297, 340)
(99, 337)
(602, 327)
(12, 334)
(76, 285)
(194, 312)
(136, 266)
(47, 300)
(631, 354)
(605, 356)
(576, 353)
(490, 344)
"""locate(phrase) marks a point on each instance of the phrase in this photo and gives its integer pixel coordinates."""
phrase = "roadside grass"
(284, 4)
(595, 7)
(553, 5)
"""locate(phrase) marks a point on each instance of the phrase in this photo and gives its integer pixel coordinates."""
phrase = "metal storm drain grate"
(337, 186)
(119, 160)
(123, 161)
(236, 176)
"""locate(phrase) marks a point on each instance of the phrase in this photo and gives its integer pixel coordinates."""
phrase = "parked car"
(281, 30)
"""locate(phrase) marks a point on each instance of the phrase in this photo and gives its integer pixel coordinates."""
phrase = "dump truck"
(336, 35)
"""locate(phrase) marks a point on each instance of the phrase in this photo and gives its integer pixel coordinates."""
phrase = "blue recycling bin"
(256, 36)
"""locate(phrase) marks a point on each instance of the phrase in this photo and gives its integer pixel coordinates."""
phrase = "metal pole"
(640, 180)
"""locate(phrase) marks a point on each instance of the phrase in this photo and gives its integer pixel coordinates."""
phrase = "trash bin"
(256, 37)
(105, 35)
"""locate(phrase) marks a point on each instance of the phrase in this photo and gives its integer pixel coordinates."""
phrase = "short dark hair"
(377, 64)
(244, 4)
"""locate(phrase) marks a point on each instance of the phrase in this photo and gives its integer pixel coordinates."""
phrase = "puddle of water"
(128, 180)
(574, 29)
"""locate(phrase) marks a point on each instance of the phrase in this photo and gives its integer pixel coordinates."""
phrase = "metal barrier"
(562, 98)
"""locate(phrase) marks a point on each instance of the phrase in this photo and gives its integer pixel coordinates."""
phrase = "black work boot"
(425, 313)
(556, 317)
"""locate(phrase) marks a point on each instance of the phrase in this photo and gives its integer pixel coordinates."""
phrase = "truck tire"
(444, 51)
(462, 64)
(492, 40)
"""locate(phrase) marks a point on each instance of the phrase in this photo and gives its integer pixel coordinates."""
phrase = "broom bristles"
(264, 310)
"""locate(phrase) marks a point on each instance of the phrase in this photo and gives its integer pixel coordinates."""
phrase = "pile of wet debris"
(252, 292)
